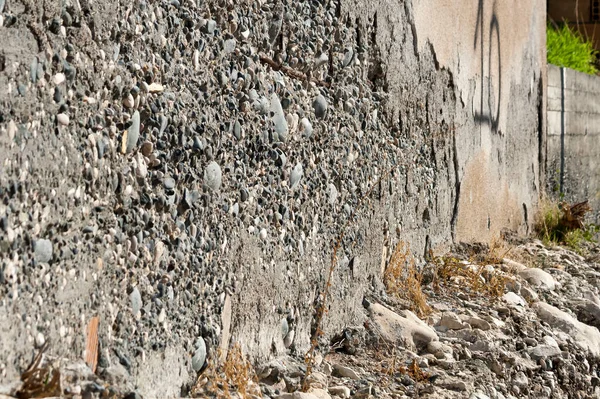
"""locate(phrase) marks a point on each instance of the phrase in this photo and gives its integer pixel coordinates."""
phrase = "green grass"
(567, 48)
(551, 231)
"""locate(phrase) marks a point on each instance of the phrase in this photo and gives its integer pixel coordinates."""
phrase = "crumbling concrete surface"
(182, 169)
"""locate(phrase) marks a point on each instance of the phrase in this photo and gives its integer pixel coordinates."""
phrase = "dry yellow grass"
(232, 378)
(473, 279)
(403, 280)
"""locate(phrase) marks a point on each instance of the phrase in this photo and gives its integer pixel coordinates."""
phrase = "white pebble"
(128, 101)
(59, 78)
(63, 119)
(40, 340)
(12, 130)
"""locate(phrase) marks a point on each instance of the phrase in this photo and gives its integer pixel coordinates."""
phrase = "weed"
(477, 279)
(415, 372)
(403, 280)
(564, 223)
(233, 377)
(576, 239)
(41, 379)
(567, 48)
(548, 221)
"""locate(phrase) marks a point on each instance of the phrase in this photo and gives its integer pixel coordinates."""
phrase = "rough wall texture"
(498, 69)
(442, 119)
(580, 149)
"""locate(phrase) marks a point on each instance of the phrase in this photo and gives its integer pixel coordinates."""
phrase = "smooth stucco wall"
(496, 53)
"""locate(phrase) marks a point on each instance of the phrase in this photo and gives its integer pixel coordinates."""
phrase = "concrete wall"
(580, 147)
(439, 110)
(496, 52)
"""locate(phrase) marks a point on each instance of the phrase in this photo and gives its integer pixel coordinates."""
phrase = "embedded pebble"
(199, 357)
(296, 175)
(281, 126)
(133, 133)
(136, 301)
(62, 119)
(42, 250)
(212, 176)
(320, 106)
(40, 340)
(307, 128)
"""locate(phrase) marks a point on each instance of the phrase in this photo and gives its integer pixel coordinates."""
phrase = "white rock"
(511, 265)
(128, 101)
(481, 324)
(59, 78)
(62, 119)
(451, 321)
(404, 326)
(521, 380)
(583, 335)
(514, 299)
(544, 350)
(12, 129)
(40, 340)
(538, 278)
(155, 88)
(439, 350)
(319, 393)
(342, 392)
(297, 395)
(344, 371)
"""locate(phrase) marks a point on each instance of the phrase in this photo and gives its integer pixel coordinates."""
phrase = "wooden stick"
(291, 72)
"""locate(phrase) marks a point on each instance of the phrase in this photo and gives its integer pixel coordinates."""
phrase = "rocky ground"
(539, 339)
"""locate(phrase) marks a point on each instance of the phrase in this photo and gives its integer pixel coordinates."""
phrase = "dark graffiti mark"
(489, 105)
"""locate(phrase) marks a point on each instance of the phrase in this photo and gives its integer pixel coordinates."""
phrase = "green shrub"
(567, 48)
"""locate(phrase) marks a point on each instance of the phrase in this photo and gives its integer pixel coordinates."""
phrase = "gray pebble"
(229, 46)
(163, 124)
(244, 195)
(213, 176)
(133, 133)
(237, 130)
(332, 192)
(101, 145)
(42, 251)
(136, 301)
(211, 25)
(2, 5)
(307, 128)
(33, 68)
(296, 175)
(281, 126)
(169, 183)
(320, 106)
(348, 57)
(285, 328)
(199, 355)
